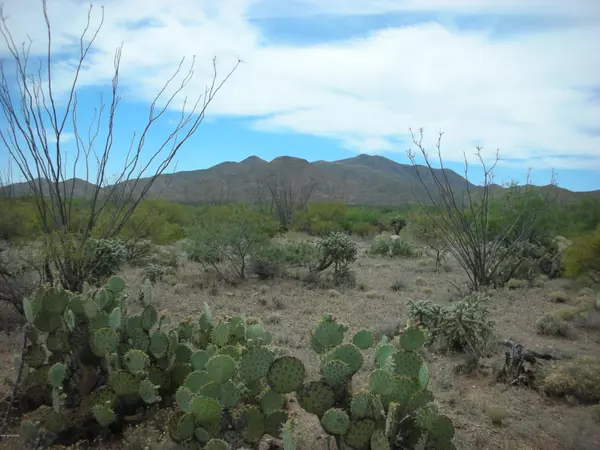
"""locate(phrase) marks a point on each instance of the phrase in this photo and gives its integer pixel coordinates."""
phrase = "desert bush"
(321, 218)
(398, 223)
(555, 323)
(558, 297)
(139, 251)
(579, 377)
(464, 326)
(336, 249)
(17, 278)
(277, 258)
(380, 247)
(422, 227)
(362, 229)
(583, 257)
(226, 236)
(399, 247)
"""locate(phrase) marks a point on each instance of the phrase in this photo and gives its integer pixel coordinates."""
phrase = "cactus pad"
(255, 363)
(36, 355)
(271, 401)
(195, 380)
(363, 339)
(57, 375)
(103, 341)
(136, 361)
(384, 351)
(348, 353)
(359, 433)
(181, 426)
(365, 405)
(212, 390)
(407, 363)
(237, 328)
(139, 339)
(274, 421)
(235, 351)
(423, 377)
(149, 317)
(316, 397)
(335, 421)
(442, 429)
(216, 444)
(412, 339)
(221, 368)
(427, 415)
(102, 299)
(55, 301)
(256, 333)
(148, 392)
(335, 372)
(159, 344)
(123, 383)
(404, 388)
(47, 322)
(255, 423)
(326, 335)
(183, 352)
(229, 394)
(199, 359)
(220, 334)
(286, 374)
(103, 415)
(179, 373)
(116, 285)
(183, 398)
(379, 441)
(205, 320)
(114, 320)
(381, 382)
(206, 410)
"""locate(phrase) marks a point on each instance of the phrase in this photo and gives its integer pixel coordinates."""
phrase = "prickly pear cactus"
(396, 411)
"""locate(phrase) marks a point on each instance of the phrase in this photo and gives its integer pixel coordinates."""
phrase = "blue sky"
(331, 79)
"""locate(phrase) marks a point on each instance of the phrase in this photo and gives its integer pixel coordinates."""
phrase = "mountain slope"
(364, 179)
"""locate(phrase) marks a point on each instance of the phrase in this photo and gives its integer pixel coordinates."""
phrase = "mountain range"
(361, 180)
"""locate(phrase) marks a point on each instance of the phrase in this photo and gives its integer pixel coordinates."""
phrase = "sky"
(331, 79)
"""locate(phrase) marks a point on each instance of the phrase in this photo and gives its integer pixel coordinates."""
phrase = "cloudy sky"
(329, 79)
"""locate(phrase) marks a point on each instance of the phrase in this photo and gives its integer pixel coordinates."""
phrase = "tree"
(461, 218)
(35, 136)
(287, 197)
(228, 234)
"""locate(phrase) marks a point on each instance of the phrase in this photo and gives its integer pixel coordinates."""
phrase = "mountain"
(364, 180)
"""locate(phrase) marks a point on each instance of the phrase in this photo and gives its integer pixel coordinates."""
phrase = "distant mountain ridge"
(364, 180)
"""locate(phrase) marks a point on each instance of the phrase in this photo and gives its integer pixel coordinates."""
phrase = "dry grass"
(290, 307)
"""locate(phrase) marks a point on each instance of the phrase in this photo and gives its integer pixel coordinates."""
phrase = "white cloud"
(527, 96)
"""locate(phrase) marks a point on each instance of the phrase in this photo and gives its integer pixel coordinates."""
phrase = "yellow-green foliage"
(583, 256)
(321, 217)
(159, 220)
(18, 218)
(556, 323)
(363, 229)
(579, 377)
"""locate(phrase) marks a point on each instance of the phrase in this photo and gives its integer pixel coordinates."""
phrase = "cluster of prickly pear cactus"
(233, 387)
(88, 358)
(396, 411)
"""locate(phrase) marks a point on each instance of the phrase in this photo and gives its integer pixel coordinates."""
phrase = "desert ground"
(486, 414)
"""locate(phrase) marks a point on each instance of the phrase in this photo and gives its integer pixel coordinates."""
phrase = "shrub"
(579, 377)
(276, 258)
(363, 229)
(153, 272)
(398, 247)
(381, 247)
(558, 297)
(229, 235)
(555, 324)
(465, 325)
(139, 251)
(583, 257)
(397, 286)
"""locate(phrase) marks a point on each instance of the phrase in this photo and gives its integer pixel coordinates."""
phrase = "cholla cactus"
(336, 249)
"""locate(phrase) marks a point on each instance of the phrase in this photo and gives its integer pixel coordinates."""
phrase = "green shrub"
(398, 247)
(583, 257)
(466, 325)
(381, 247)
(554, 324)
(362, 229)
(277, 258)
(579, 378)
(226, 236)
